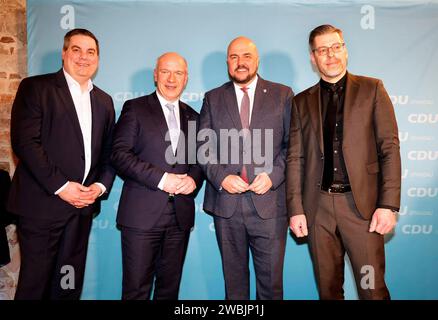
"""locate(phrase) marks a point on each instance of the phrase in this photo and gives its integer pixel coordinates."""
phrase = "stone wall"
(13, 68)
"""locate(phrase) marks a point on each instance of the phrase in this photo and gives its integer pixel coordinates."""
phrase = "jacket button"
(173, 165)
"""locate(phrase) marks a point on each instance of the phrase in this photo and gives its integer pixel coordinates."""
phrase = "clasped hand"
(79, 195)
(179, 184)
(235, 184)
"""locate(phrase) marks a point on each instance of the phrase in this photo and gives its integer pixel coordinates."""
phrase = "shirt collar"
(73, 83)
(163, 101)
(251, 86)
(341, 82)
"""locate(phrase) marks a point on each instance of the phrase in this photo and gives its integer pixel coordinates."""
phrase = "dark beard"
(241, 81)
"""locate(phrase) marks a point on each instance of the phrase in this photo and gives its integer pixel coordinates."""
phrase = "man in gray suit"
(246, 196)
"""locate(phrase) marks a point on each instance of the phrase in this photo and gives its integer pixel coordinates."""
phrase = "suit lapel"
(231, 105)
(68, 105)
(158, 115)
(183, 138)
(258, 107)
(351, 99)
(314, 108)
(95, 124)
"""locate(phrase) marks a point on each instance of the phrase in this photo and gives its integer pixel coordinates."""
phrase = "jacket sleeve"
(207, 149)
(123, 157)
(388, 148)
(26, 126)
(295, 166)
(107, 172)
(278, 174)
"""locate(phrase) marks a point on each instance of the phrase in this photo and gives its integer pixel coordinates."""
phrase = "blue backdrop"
(396, 41)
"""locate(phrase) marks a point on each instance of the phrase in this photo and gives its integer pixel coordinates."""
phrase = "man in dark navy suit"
(157, 208)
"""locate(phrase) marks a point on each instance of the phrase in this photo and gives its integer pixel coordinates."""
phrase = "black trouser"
(157, 253)
(53, 255)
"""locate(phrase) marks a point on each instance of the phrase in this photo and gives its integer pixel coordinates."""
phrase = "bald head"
(174, 56)
(242, 60)
(171, 75)
(242, 42)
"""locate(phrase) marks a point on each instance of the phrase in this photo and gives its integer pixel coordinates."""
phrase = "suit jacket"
(370, 146)
(271, 110)
(139, 156)
(47, 139)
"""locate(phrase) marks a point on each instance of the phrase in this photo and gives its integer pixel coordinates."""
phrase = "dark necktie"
(244, 118)
(329, 131)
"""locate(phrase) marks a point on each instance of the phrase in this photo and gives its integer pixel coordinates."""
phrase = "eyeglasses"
(336, 47)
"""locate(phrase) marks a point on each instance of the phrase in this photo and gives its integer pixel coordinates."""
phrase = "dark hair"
(75, 32)
(323, 29)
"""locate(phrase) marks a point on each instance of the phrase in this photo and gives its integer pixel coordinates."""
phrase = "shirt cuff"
(62, 188)
(388, 207)
(161, 183)
(102, 187)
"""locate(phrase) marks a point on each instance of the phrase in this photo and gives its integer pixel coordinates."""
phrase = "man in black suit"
(152, 153)
(61, 129)
(246, 196)
(343, 170)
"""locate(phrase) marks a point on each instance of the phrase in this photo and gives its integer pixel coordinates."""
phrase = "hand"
(186, 186)
(383, 221)
(172, 181)
(298, 225)
(93, 194)
(261, 184)
(76, 194)
(234, 184)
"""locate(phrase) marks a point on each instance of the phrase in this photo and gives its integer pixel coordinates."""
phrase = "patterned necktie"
(244, 118)
(173, 126)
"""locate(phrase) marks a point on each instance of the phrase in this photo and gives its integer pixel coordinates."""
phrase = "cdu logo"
(417, 229)
(422, 192)
(422, 155)
(399, 100)
(423, 118)
(403, 211)
(403, 136)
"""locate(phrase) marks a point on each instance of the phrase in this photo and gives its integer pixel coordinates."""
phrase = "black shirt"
(335, 170)
(334, 164)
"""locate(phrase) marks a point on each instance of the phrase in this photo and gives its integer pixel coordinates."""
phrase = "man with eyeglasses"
(343, 170)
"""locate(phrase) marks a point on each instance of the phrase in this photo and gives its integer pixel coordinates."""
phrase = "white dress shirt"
(82, 103)
(166, 112)
(251, 92)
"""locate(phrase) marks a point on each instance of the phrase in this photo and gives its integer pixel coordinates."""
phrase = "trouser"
(339, 229)
(266, 238)
(154, 254)
(53, 255)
